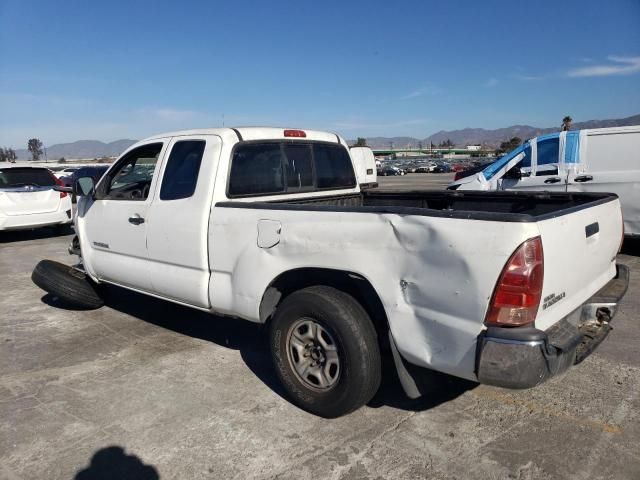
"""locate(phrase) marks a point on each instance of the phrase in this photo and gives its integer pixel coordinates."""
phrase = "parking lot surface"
(145, 388)
(437, 181)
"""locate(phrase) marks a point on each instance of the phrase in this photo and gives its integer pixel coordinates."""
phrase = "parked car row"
(402, 167)
(390, 172)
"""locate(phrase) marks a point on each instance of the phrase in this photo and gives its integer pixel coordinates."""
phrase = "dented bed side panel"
(434, 276)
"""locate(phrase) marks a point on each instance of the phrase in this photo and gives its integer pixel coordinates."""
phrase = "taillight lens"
(60, 183)
(518, 292)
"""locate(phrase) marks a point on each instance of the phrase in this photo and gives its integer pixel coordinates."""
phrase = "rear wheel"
(70, 285)
(325, 351)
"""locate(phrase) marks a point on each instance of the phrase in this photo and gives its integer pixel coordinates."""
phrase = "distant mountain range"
(493, 138)
(84, 149)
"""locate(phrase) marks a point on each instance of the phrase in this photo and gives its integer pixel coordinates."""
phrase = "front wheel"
(325, 350)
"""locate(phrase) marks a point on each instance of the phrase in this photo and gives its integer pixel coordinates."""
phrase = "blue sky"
(74, 70)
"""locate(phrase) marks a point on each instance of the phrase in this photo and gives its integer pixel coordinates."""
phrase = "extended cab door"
(113, 225)
(178, 220)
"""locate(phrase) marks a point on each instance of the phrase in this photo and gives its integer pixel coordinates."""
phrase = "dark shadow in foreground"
(57, 302)
(112, 462)
(631, 246)
(251, 341)
(11, 236)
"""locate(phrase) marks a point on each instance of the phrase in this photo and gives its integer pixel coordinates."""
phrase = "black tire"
(66, 283)
(356, 344)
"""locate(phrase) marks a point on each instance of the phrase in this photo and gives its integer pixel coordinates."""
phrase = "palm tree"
(566, 123)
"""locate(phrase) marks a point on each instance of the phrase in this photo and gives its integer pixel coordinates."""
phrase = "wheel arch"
(354, 284)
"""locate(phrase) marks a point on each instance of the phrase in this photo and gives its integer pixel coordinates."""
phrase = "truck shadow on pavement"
(631, 246)
(11, 236)
(252, 342)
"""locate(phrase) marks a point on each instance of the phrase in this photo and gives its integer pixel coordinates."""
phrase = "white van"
(594, 160)
(364, 163)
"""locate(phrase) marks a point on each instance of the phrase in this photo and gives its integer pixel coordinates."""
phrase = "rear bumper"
(35, 220)
(526, 357)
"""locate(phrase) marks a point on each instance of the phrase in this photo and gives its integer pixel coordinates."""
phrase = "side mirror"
(84, 186)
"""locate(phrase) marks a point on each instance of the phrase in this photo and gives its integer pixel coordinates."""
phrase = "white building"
(473, 148)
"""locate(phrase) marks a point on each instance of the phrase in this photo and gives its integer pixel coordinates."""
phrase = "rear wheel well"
(348, 282)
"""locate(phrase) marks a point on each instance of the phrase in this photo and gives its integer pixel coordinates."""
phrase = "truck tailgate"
(579, 258)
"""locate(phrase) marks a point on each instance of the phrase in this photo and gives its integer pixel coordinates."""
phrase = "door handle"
(136, 220)
(552, 180)
(583, 178)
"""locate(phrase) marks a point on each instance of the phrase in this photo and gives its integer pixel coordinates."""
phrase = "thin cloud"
(618, 66)
(529, 78)
(104, 125)
(44, 100)
(424, 90)
(174, 115)
(492, 82)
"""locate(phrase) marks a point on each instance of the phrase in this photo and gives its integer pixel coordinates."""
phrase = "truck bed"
(497, 206)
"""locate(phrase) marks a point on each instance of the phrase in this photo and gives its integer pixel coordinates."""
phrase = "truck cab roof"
(259, 133)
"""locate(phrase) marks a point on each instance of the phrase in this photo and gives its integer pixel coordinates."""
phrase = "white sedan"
(27, 199)
(65, 171)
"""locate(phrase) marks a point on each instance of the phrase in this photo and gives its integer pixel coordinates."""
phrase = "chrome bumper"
(526, 357)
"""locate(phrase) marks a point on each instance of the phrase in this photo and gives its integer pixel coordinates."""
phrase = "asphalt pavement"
(142, 388)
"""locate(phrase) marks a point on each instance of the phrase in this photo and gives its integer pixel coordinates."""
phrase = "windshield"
(493, 168)
(22, 177)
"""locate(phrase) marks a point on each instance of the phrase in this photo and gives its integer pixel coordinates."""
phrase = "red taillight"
(518, 292)
(60, 183)
(295, 133)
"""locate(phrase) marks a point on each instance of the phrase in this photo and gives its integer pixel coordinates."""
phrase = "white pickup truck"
(269, 225)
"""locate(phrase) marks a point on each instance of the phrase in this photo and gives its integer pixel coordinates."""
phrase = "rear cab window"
(26, 177)
(276, 167)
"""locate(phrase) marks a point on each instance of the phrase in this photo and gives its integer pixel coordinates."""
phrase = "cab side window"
(548, 152)
(181, 173)
(132, 176)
